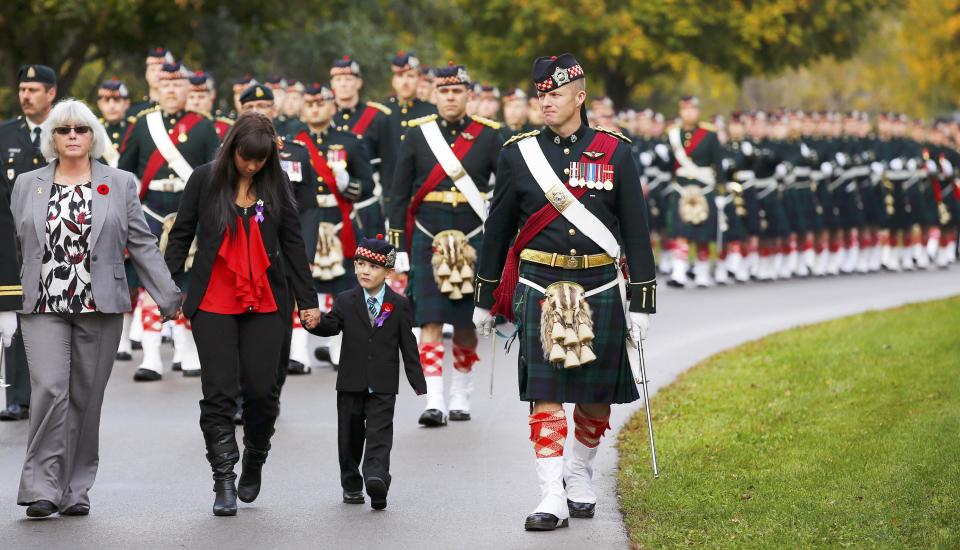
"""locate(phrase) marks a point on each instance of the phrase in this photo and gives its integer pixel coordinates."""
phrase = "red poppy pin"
(103, 189)
(384, 314)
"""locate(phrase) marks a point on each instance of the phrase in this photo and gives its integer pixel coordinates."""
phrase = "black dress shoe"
(674, 284)
(544, 522)
(322, 354)
(177, 366)
(459, 416)
(432, 418)
(123, 356)
(377, 489)
(135, 345)
(582, 510)
(14, 412)
(353, 497)
(146, 375)
(41, 509)
(296, 368)
(194, 373)
(77, 510)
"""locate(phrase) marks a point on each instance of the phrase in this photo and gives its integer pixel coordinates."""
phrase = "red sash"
(695, 140)
(537, 222)
(222, 128)
(364, 121)
(348, 241)
(156, 161)
(460, 147)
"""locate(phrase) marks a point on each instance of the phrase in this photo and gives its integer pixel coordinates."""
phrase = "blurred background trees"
(814, 54)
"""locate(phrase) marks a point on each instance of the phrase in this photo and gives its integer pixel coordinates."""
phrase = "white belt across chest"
(454, 169)
(165, 145)
(587, 294)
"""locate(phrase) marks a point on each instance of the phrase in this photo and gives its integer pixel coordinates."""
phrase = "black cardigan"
(281, 240)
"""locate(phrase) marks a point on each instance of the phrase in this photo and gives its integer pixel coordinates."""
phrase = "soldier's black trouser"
(16, 373)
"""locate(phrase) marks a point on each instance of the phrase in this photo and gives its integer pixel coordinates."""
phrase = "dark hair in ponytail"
(253, 137)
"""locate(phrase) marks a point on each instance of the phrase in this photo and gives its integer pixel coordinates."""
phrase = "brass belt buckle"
(572, 262)
(453, 198)
(168, 186)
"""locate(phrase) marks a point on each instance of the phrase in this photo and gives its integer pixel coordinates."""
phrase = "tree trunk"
(617, 88)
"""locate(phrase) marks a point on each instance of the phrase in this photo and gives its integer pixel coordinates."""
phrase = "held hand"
(310, 317)
(484, 322)
(343, 178)
(402, 263)
(639, 325)
(175, 316)
(8, 326)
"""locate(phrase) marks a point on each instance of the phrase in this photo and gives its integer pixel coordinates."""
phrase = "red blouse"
(238, 281)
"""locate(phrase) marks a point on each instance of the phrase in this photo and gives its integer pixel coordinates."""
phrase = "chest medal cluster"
(591, 175)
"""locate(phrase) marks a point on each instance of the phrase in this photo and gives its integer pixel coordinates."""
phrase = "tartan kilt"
(736, 225)
(874, 210)
(849, 207)
(371, 221)
(606, 380)
(793, 208)
(809, 208)
(656, 209)
(828, 210)
(773, 216)
(133, 280)
(429, 304)
(704, 232)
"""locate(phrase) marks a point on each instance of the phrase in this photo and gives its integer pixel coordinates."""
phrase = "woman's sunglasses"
(65, 130)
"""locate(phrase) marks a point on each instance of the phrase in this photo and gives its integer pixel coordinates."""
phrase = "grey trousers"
(71, 357)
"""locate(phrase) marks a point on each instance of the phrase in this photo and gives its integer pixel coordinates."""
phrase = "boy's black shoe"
(377, 490)
(353, 497)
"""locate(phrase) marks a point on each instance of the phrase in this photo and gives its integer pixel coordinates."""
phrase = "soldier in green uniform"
(201, 99)
(331, 226)
(488, 101)
(691, 209)
(167, 142)
(437, 206)
(656, 172)
(237, 87)
(156, 58)
(404, 106)
(425, 86)
(515, 114)
(737, 167)
(19, 153)
(287, 119)
(368, 120)
(560, 278)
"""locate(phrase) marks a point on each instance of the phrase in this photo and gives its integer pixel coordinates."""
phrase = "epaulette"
(131, 119)
(226, 120)
(380, 107)
(298, 142)
(613, 133)
(708, 126)
(146, 112)
(486, 121)
(523, 135)
(421, 120)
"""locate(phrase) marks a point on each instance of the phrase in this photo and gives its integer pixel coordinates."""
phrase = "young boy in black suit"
(376, 322)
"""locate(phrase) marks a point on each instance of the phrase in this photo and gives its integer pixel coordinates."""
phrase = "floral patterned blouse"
(65, 285)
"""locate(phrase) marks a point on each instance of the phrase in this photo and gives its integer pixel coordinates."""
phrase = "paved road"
(468, 485)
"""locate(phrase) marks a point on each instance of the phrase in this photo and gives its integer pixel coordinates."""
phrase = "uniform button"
(573, 251)
(346, 116)
(319, 179)
(94, 257)
(566, 171)
(403, 138)
(116, 135)
(249, 308)
(319, 188)
(404, 110)
(572, 232)
(403, 123)
(566, 150)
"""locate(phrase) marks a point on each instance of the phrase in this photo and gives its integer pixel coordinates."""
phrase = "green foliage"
(833, 435)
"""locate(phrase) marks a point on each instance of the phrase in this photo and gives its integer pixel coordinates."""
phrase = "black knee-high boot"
(223, 454)
(254, 456)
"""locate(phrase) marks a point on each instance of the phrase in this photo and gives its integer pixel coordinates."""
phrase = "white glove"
(896, 164)
(876, 168)
(746, 148)
(826, 168)
(8, 325)
(841, 159)
(402, 263)
(662, 151)
(946, 167)
(343, 178)
(931, 166)
(646, 158)
(912, 164)
(484, 322)
(639, 324)
(781, 171)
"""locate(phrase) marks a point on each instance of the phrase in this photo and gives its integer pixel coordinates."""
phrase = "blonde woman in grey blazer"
(74, 218)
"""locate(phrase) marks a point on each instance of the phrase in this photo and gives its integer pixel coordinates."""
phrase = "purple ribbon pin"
(259, 209)
(384, 315)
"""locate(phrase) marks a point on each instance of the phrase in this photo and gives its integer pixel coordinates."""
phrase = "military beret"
(275, 82)
(426, 73)
(690, 100)
(345, 66)
(404, 61)
(317, 89)
(244, 80)
(159, 56)
(172, 71)
(113, 88)
(487, 88)
(37, 73)
(295, 86)
(200, 81)
(377, 251)
(256, 92)
(451, 75)
(514, 93)
(550, 73)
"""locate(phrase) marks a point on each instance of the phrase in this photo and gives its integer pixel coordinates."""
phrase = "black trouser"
(238, 357)
(364, 417)
(16, 373)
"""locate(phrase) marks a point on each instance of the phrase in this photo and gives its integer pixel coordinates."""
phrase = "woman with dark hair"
(242, 211)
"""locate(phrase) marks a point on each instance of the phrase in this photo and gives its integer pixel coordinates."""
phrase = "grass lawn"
(841, 434)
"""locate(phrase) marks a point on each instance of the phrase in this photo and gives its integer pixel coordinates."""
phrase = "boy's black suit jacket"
(369, 358)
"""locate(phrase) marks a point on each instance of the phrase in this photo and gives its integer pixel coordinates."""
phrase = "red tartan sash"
(460, 147)
(364, 121)
(348, 240)
(537, 222)
(156, 161)
(695, 140)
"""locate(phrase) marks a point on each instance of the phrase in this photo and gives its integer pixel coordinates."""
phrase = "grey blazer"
(118, 224)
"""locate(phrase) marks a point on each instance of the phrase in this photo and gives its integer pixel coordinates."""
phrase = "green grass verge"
(841, 434)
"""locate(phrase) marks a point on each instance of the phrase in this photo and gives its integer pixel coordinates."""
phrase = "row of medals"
(595, 170)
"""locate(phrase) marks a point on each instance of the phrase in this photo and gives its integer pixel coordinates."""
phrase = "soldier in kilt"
(436, 213)
(737, 169)
(562, 285)
(195, 139)
(691, 205)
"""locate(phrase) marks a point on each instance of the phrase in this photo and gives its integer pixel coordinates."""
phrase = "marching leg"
(299, 362)
(151, 368)
(431, 359)
(681, 262)
(125, 349)
(578, 465)
(548, 432)
(190, 359)
(461, 381)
